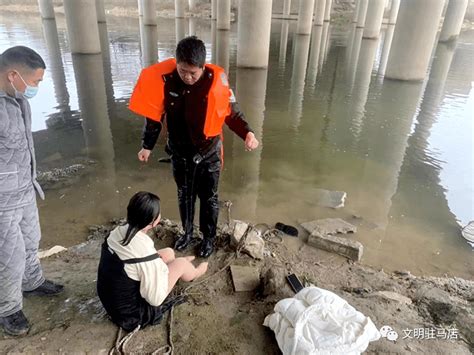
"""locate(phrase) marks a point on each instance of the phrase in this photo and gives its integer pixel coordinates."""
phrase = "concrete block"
(329, 226)
(238, 231)
(254, 244)
(346, 247)
(245, 278)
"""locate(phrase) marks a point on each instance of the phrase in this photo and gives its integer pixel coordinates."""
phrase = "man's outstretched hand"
(251, 142)
(144, 154)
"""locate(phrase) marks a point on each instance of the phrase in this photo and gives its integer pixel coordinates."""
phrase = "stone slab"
(346, 247)
(245, 278)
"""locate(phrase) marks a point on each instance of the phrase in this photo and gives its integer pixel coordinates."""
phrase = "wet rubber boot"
(15, 324)
(183, 242)
(47, 288)
(207, 247)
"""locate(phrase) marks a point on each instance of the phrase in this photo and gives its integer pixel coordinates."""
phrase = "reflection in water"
(356, 133)
(213, 41)
(222, 50)
(180, 26)
(251, 87)
(148, 44)
(297, 79)
(283, 44)
(56, 68)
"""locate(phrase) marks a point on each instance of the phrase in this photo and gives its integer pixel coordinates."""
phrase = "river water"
(326, 118)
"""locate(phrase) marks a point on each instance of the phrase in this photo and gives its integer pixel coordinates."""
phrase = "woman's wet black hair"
(191, 50)
(143, 209)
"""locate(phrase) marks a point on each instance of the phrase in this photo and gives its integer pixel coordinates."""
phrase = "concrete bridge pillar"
(362, 13)
(327, 11)
(305, 17)
(100, 9)
(148, 10)
(319, 11)
(413, 40)
(180, 8)
(453, 20)
(374, 18)
(223, 14)
(213, 9)
(46, 9)
(253, 45)
(286, 7)
(392, 20)
(83, 30)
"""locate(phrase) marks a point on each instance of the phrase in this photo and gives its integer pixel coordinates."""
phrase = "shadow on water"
(324, 114)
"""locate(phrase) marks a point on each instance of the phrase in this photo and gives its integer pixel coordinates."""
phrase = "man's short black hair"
(21, 56)
(191, 50)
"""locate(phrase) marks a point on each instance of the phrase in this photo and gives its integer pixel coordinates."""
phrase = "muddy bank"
(215, 319)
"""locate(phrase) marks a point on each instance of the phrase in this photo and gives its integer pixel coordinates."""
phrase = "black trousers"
(198, 180)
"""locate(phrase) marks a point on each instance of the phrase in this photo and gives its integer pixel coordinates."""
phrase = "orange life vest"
(149, 93)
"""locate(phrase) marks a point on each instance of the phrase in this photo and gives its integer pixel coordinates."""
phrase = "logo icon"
(387, 332)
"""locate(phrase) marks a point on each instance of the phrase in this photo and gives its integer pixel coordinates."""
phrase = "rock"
(437, 303)
(254, 244)
(274, 283)
(54, 250)
(238, 231)
(332, 199)
(349, 248)
(392, 296)
(329, 226)
(245, 278)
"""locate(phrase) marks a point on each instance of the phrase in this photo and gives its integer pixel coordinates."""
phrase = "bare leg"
(182, 268)
(167, 254)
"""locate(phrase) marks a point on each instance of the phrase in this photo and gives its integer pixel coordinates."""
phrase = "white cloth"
(153, 275)
(317, 321)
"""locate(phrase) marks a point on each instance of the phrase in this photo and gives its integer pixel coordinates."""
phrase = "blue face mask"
(30, 91)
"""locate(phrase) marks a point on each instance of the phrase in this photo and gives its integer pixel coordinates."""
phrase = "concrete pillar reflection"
(251, 85)
(100, 10)
(453, 20)
(192, 5)
(223, 14)
(46, 9)
(298, 75)
(179, 8)
(180, 29)
(361, 86)
(83, 30)
(89, 75)
(283, 44)
(392, 20)
(148, 43)
(356, 11)
(319, 11)
(223, 49)
(192, 26)
(213, 42)
(351, 64)
(254, 25)
(374, 18)
(413, 40)
(324, 42)
(55, 65)
(305, 17)
(316, 37)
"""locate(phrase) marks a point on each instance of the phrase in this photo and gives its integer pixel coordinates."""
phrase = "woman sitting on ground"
(134, 278)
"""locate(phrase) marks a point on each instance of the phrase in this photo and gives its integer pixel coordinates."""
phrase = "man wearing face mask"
(21, 71)
(195, 100)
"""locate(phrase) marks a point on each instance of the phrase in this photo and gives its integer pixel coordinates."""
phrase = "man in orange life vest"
(196, 101)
